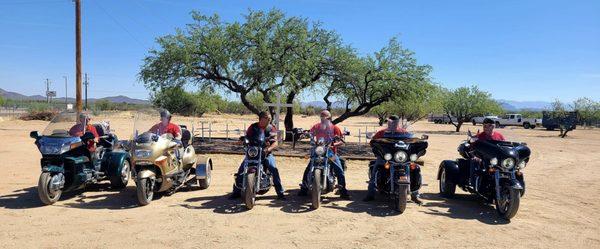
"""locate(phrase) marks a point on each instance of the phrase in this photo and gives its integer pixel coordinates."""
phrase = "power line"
(119, 24)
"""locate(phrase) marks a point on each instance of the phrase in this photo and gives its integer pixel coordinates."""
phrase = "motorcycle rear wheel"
(145, 190)
(249, 193)
(44, 193)
(120, 181)
(400, 200)
(315, 192)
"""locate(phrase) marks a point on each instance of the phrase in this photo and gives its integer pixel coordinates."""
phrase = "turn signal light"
(413, 166)
(161, 161)
(492, 170)
(387, 165)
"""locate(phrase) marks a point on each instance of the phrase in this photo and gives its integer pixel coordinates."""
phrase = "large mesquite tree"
(364, 83)
(465, 103)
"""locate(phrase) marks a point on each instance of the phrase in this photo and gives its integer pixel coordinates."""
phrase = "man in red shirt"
(83, 125)
(488, 132)
(165, 126)
(327, 131)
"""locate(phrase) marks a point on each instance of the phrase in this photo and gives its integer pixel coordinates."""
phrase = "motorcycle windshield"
(402, 138)
(67, 124)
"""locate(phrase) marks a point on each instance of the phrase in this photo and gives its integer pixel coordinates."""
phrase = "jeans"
(269, 161)
(336, 165)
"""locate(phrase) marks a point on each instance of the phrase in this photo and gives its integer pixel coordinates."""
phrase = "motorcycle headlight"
(508, 163)
(414, 157)
(494, 161)
(252, 151)
(522, 164)
(387, 156)
(143, 154)
(400, 156)
(320, 150)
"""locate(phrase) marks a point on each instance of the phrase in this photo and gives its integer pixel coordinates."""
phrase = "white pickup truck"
(518, 120)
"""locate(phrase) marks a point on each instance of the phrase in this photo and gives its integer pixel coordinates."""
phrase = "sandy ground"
(560, 208)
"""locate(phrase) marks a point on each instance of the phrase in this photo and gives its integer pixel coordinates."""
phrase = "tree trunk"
(247, 103)
(289, 117)
(460, 123)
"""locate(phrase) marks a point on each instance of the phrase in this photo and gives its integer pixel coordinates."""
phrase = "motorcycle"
(400, 174)
(161, 163)
(321, 178)
(68, 163)
(496, 175)
(256, 177)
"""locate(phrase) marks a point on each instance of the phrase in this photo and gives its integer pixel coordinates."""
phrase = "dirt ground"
(560, 208)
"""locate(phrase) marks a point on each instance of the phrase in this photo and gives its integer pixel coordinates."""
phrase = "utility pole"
(86, 83)
(47, 91)
(66, 92)
(78, 55)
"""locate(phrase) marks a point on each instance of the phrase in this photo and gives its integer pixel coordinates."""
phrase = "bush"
(178, 101)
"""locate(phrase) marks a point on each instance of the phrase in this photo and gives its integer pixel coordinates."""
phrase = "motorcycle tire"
(120, 181)
(400, 200)
(145, 190)
(447, 188)
(513, 205)
(44, 192)
(249, 193)
(205, 183)
(315, 192)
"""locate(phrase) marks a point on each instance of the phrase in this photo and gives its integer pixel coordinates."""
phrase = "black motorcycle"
(321, 178)
(490, 169)
(400, 174)
(256, 177)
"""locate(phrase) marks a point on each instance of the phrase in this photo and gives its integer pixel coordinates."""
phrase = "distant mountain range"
(114, 99)
(511, 105)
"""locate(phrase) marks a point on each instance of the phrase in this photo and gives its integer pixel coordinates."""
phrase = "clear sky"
(517, 50)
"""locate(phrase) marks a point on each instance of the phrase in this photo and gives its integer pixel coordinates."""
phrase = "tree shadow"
(380, 207)
(21, 199)
(114, 199)
(462, 206)
(110, 198)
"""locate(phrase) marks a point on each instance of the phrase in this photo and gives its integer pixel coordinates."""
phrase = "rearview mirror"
(87, 136)
(34, 134)
(425, 137)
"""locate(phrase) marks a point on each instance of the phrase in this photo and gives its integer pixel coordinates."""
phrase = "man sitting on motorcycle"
(327, 131)
(84, 125)
(392, 130)
(488, 134)
(270, 132)
(165, 126)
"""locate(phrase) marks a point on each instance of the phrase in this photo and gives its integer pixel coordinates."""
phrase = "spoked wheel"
(508, 205)
(447, 188)
(249, 193)
(145, 190)
(120, 181)
(400, 200)
(47, 194)
(315, 192)
(205, 183)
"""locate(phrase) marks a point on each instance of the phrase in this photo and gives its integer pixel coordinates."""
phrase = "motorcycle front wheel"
(400, 200)
(46, 195)
(145, 190)
(316, 189)
(249, 193)
(508, 205)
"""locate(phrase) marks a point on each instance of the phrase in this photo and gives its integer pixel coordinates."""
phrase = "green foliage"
(2, 101)
(417, 101)
(588, 110)
(464, 103)
(177, 100)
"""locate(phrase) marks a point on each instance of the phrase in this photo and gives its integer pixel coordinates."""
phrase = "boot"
(344, 194)
(414, 196)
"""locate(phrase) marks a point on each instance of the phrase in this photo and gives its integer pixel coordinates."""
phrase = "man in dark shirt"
(270, 133)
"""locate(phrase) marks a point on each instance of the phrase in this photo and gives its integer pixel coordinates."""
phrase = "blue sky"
(517, 50)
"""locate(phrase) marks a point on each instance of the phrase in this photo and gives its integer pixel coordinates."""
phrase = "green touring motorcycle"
(72, 157)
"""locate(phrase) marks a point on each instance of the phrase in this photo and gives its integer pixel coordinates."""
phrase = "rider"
(165, 125)
(270, 133)
(393, 129)
(326, 130)
(83, 125)
(488, 132)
